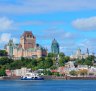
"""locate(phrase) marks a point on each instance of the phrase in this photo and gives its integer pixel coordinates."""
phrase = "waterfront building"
(26, 48)
(55, 47)
(70, 64)
(17, 72)
(79, 54)
(8, 72)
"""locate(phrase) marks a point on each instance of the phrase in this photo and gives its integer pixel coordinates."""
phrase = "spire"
(54, 41)
(10, 42)
(87, 51)
(79, 49)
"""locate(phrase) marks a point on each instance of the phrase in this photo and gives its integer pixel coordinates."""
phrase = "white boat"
(32, 76)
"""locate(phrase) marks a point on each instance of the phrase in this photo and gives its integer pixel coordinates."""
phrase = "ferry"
(32, 76)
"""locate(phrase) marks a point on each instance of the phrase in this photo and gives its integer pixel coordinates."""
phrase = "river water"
(48, 85)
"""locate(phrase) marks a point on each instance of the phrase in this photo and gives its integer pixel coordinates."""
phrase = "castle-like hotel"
(27, 47)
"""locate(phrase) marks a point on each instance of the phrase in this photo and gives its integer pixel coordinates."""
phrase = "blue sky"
(71, 22)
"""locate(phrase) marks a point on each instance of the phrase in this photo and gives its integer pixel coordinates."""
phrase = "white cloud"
(68, 35)
(38, 22)
(4, 39)
(70, 47)
(57, 33)
(5, 24)
(88, 43)
(15, 40)
(45, 6)
(85, 23)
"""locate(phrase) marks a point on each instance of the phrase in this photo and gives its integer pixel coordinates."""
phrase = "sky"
(71, 22)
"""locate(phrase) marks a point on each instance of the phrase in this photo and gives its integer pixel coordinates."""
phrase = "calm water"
(48, 85)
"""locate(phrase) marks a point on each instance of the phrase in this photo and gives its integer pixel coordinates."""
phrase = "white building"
(20, 72)
(69, 66)
(81, 67)
(79, 55)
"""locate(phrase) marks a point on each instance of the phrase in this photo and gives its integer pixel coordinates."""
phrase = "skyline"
(71, 22)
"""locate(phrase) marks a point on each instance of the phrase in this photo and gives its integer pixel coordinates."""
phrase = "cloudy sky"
(71, 22)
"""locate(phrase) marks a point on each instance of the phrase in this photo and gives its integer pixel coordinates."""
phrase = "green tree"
(61, 54)
(79, 61)
(23, 59)
(3, 53)
(40, 64)
(67, 58)
(48, 62)
(5, 60)
(47, 72)
(53, 56)
(50, 55)
(61, 61)
(40, 59)
(16, 64)
(34, 62)
(53, 67)
(2, 71)
(56, 74)
(73, 73)
(91, 58)
(88, 62)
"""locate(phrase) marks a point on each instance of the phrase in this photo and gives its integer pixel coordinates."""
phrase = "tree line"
(48, 62)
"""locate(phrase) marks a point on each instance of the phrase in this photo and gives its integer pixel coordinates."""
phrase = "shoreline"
(69, 78)
(51, 78)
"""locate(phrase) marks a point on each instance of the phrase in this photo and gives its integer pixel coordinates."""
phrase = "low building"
(83, 67)
(17, 72)
(92, 71)
(8, 72)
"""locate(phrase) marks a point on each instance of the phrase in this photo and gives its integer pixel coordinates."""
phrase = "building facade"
(55, 47)
(79, 54)
(27, 47)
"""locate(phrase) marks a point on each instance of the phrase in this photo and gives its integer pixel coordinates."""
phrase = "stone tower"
(78, 53)
(87, 51)
(28, 40)
(55, 47)
(10, 47)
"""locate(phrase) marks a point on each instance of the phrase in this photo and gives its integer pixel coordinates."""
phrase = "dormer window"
(28, 36)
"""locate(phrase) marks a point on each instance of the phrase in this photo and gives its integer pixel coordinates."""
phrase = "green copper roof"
(31, 49)
(55, 47)
(54, 41)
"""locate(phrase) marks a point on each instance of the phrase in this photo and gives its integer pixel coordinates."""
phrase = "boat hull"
(32, 78)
